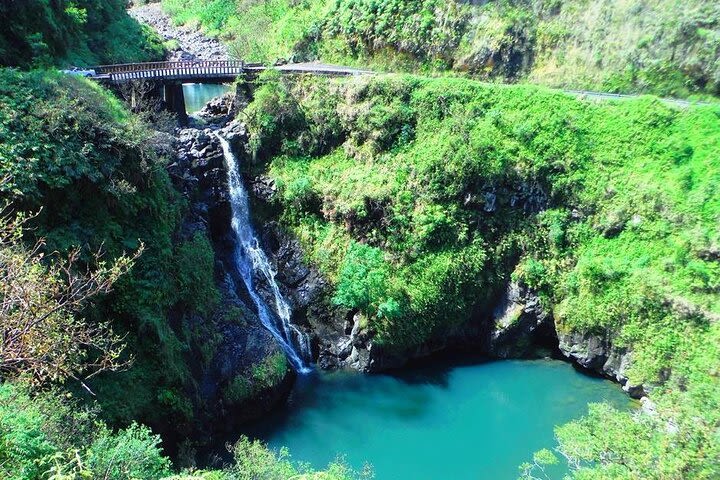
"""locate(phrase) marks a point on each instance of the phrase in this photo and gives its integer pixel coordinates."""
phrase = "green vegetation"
(72, 154)
(41, 33)
(194, 270)
(420, 199)
(44, 339)
(51, 436)
(665, 47)
(77, 157)
(255, 461)
(284, 24)
(263, 376)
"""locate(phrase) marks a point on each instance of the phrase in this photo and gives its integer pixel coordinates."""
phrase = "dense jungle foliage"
(40, 33)
(420, 198)
(665, 47)
(74, 154)
(83, 187)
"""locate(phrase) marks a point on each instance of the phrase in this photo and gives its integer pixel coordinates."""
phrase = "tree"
(41, 297)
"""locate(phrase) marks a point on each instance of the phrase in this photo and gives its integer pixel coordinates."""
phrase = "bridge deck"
(209, 71)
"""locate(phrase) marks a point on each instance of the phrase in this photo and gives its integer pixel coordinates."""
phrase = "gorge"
(440, 276)
(367, 419)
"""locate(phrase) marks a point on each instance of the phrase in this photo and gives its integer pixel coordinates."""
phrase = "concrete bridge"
(168, 77)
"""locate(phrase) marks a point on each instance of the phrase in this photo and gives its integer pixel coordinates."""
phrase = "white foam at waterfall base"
(250, 258)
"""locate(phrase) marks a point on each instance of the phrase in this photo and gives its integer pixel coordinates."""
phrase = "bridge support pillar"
(175, 101)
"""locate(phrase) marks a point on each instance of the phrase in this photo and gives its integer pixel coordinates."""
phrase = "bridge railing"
(172, 70)
(206, 70)
(185, 65)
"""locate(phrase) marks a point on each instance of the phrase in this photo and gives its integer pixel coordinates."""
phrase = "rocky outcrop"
(491, 198)
(520, 325)
(338, 338)
(598, 353)
(222, 110)
(191, 44)
(523, 328)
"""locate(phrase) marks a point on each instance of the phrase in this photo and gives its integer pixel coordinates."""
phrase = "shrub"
(131, 453)
(363, 281)
(195, 266)
(270, 372)
(254, 460)
(79, 32)
(49, 434)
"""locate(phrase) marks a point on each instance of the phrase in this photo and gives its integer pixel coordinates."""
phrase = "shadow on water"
(435, 370)
(352, 390)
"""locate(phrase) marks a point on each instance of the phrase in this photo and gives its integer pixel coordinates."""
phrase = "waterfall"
(250, 258)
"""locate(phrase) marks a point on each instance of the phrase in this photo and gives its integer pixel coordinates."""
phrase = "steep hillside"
(421, 200)
(665, 47)
(77, 156)
(63, 32)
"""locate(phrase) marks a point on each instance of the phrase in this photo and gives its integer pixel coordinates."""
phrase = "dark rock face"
(305, 290)
(519, 324)
(264, 188)
(199, 173)
(222, 110)
(600, 355)
(336, 334)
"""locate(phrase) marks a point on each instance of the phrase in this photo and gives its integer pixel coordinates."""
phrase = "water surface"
(477, 421)
(198, 94)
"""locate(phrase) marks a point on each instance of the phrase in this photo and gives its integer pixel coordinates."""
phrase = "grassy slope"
(665, 47)
(386, 182)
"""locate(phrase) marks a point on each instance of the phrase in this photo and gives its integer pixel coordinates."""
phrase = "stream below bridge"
(198, 94)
